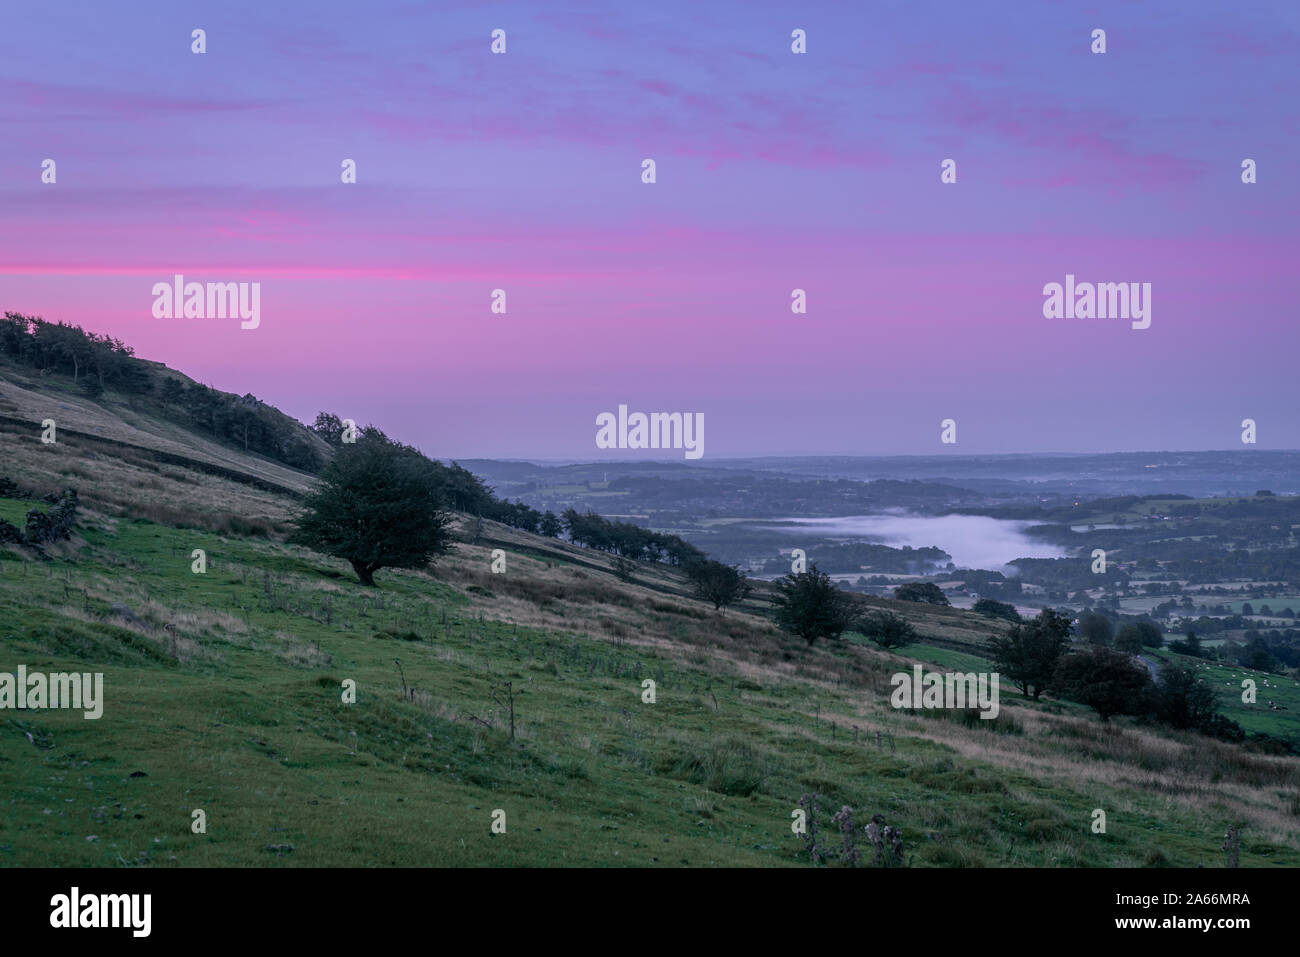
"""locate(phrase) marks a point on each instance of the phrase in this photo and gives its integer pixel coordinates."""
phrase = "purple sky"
(775, 171)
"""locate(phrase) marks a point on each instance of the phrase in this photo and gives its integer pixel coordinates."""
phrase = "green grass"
(1226, 680)
(242, 716)
(947, 658)
(15, 510)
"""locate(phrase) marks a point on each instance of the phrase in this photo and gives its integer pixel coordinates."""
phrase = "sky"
(774, 171)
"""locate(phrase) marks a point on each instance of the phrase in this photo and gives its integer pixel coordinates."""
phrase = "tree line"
(629, 540)
(93, 361)
(99, 362)
(1038, 656)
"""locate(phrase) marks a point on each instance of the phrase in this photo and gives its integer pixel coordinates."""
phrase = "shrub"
(377, 507)
(886, 629)
(1184, 700)
(996, 609)
(718, 583)
(809, 605)
(729, 766)
(1108, 681)
(1027, 655)
(925, 592)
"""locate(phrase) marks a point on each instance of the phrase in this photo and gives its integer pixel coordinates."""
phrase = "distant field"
(557, 491)
(1226, 681)
(1140, 606)
(1275, 604)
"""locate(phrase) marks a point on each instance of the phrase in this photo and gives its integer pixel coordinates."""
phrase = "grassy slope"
(236, 709)
(1226, 680)
(140, 424)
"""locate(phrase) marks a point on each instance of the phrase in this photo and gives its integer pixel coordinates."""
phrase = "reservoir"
(973, 541)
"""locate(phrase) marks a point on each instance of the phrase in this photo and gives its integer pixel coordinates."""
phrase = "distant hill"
(101, 389)
(128, 449)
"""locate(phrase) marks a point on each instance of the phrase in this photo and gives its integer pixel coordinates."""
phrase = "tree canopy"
(377, 505)
(886, 629)
(721, 584)
(1108, 681)
(996, 609)
(921, 591)
(1027, 655)
(1096, 628)
(1184, 699)
(809, 605)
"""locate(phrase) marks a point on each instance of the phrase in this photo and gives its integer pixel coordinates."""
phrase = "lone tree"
(718, 583)
(1129, 639)
(996, 609)
(886, 629)
(1096, 628)
(550, 525)
(1152, 636)
(1108, 681)
(330, 428)
(1137, 635)
(1184, 699)
(1029, 652)
(809, 605)
(926, 592)
(377, 506)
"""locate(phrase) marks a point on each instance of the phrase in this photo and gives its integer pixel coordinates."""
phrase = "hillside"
(131, 454)
(107, 395)
(223, 692)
